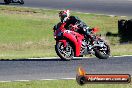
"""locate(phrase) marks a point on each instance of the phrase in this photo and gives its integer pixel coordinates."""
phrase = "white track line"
(85, 12)
(77, 57)
(60, 79)
(123, 56)
(53, 79)
(38, 80)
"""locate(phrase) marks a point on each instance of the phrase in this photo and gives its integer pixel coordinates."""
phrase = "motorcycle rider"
(67, 20)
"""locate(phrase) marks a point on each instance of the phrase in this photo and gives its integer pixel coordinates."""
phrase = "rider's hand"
(75, 26)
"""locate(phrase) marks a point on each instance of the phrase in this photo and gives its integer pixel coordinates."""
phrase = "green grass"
(27, 32)
(59, 84)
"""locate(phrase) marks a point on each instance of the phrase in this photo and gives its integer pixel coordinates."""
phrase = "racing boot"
(89, 36)
(91, 39)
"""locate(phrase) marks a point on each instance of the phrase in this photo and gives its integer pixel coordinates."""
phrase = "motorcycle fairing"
(75, 38)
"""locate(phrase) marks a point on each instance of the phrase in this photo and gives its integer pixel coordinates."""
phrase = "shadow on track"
(56, 59)
(2, 3)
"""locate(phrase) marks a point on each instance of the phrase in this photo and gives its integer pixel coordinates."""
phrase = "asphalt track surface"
(111, 7)
(116, 7)
(36, 69)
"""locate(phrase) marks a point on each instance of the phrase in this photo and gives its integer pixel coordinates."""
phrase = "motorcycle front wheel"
(64, 52)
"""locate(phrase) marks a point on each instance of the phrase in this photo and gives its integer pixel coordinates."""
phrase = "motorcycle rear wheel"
(21, 2)
(102, 53)
(65, 53)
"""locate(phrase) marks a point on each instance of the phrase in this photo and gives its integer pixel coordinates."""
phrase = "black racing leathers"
(83, 28)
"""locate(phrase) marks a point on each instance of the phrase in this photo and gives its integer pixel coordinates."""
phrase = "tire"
(122, 26)
(102, 55)
(7, 1)
(60, 52)
(21, 2)
(129, 27)
(81, 56)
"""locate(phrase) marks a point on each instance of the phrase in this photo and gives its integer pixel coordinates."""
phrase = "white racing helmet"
(64, 15)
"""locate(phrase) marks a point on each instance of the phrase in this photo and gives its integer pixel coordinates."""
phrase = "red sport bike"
(71, 44)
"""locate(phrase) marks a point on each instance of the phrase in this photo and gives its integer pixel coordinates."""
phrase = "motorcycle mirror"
(95, 29)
